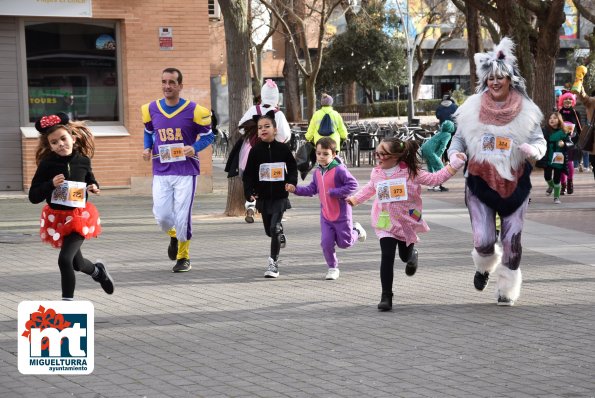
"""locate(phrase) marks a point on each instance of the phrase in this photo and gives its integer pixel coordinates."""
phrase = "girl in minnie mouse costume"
(63, 179)
(499, 130)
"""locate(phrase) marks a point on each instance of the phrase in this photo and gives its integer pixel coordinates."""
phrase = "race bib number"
(557, 158)
(394, 190)
(70, 193)
(496, 144)
(272, 171)
(171, 153)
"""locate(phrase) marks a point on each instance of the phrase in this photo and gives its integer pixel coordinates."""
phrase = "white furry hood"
(519, 130)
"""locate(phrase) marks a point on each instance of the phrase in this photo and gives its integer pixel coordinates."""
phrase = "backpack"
(326, 127)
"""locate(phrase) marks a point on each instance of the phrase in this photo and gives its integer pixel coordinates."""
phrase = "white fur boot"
(508, 285)
(485, 265)
(488, 263)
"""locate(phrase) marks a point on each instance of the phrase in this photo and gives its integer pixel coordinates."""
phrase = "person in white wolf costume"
(499, 130)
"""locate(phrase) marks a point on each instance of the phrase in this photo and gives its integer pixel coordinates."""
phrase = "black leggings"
(71, 259)
(270, 222)
(388, 249)
(592, 161)
(547, 174)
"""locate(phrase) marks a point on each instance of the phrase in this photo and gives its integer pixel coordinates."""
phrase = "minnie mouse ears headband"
(44, 124)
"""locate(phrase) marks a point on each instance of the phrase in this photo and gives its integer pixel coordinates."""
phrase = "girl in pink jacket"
(397, 208)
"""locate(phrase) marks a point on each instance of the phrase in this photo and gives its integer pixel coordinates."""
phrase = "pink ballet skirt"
(56, 224)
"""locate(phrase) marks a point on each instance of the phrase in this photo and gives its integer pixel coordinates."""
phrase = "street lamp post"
(410, 111)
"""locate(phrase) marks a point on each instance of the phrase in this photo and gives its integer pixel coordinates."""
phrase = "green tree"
(366, 53)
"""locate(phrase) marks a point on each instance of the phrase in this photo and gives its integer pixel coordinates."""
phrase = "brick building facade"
(108, 64)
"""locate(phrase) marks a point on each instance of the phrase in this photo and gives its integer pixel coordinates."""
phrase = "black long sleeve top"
(75, 167)
(268, 152)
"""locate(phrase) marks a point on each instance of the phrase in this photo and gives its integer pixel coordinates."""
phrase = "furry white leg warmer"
(508, 283)
(488, 263)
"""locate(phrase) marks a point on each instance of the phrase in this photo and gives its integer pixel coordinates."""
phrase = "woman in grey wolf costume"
(499, 130)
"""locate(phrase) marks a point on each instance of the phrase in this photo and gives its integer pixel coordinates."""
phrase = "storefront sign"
(166, 38)
(47, 8)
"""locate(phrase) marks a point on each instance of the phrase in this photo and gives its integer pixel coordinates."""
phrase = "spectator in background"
(446, 109)
(589, 102)
(339, 131)
(581, 111)
(444, 112)
(433, 149)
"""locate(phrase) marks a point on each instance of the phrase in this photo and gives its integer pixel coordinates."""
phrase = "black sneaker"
(505, 301)
(182, 265)
(282, 241)
(172, 249)
(104, 279)
(481, 280)
(442, 189)
(249, 216)
(280, 236)
(411, 266)
(386, 302)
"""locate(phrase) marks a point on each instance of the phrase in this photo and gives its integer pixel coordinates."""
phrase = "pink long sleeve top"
(405, 216)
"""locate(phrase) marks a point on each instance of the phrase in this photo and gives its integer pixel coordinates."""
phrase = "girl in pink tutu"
(63, 179)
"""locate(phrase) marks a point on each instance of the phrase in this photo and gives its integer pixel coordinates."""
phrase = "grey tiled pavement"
(222, 330)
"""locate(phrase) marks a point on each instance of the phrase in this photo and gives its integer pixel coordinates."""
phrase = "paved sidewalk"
(222, 330)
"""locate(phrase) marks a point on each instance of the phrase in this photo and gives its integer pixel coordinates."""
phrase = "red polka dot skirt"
(56, 224)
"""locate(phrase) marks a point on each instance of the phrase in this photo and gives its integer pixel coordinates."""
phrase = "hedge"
(389, 108)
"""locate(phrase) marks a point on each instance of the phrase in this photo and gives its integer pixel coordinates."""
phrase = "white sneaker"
(360, 231)
(557, 201)
(332, 274)
(272, 270)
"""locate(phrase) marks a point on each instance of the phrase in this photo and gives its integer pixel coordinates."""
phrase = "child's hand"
(290, 188)
(58, 180)
(561, 144)
(147, 154)
(350, 201)
(458, 161)
(93, 189)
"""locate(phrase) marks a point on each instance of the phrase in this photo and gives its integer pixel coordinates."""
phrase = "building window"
(214, 10)
(72, 68)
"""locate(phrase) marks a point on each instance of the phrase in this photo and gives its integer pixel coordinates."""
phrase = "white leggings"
(173, 197)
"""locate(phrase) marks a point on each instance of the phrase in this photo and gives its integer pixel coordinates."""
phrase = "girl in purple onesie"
(397, 209)
(333, 183)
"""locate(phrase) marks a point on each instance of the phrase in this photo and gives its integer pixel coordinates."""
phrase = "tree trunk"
(474, 43)
(546, 52)
(293, 106)
(417, 79)
(237, 42)
(310, 96)
(350, 93)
